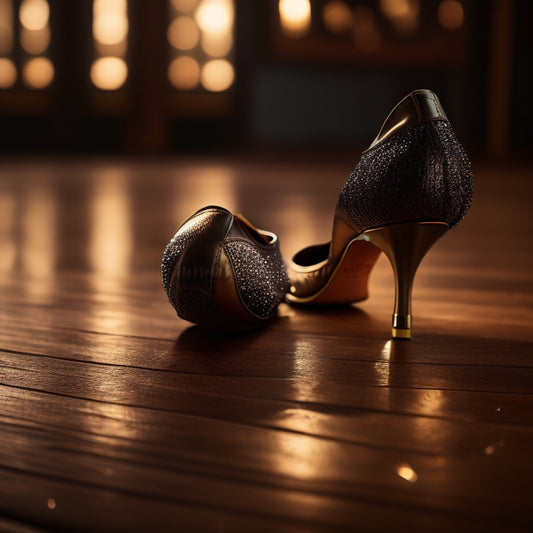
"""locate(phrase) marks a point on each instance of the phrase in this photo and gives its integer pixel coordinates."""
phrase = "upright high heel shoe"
(410, 186)
(221, 272)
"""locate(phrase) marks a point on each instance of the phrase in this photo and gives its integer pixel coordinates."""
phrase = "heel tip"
(400, 333)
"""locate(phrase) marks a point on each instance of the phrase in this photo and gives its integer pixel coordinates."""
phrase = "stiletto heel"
(405, 245)
(412, 184)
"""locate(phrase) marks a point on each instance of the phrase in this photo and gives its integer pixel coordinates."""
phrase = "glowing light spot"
(217, 45)
(295, 16)
(402, 13)
(395, 8)
(491, 448)
(35, 42)
(407, 473)
(38, 73)
(184, 73)
(215, 16)
(51, 503)
(451, 14)
(183, 33)
(110, 21)
(337, 16)
(109, 73)
(217, 75)
(34, 14)
(8, 73)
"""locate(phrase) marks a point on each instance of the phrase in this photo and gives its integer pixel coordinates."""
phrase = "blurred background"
(168, 76)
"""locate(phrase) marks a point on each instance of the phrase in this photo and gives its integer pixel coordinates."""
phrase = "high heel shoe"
(221, 272)
(410, 186)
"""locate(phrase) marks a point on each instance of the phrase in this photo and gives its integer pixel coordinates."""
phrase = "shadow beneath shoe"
(333, 320)
(220, 343)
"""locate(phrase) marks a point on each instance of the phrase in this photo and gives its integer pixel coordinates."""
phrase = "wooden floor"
(115, 415)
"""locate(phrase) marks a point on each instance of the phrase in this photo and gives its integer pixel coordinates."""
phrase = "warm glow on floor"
(295, 16)
(109, 73)
(217, 75)
(8, 73)
(451, 14)
(8, 207)
(110, 241)
(38, 73)
(34, 14)
(39, 211)
(184, 73)
(407, 473)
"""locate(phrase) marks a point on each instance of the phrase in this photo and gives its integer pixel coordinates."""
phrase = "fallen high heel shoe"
(410, 186)
(221, 272)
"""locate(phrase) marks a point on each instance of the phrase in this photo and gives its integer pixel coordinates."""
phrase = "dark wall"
(276, 101)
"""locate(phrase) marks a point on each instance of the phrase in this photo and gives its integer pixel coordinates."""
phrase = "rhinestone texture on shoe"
(260, 275)
(418, 174)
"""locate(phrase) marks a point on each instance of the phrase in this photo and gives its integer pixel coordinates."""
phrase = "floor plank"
(115, 415)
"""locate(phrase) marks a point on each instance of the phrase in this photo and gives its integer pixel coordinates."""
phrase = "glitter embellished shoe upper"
(221, 272)
(410, 185)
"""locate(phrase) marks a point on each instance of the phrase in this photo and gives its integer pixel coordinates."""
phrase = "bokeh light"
(183, 33)
(403, 14)
(109, 73)
(110, 21)
(215, 17)
(337, 16)
(451, 14)
(217, 75)
(295, 16)
(184, 73)
(38, 72)
(34, 14)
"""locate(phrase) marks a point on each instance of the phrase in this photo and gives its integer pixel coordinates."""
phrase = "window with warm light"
(29, 62)
(200, 35)
(352, 31)
(109, 70)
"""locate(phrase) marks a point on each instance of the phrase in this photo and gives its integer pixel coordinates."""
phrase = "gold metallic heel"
(405, 245)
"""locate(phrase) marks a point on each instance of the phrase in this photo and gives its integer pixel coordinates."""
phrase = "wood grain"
(115, 415)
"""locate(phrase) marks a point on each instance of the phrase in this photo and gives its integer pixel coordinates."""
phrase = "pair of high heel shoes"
(410, 186)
